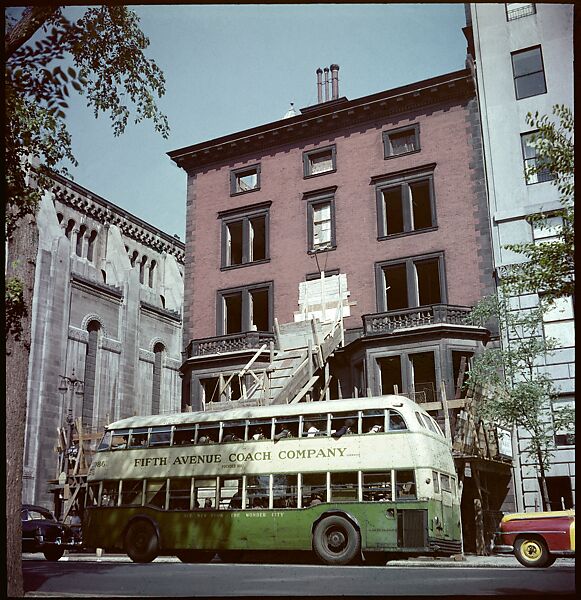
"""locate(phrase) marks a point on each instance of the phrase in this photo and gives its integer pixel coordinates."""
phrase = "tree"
(516, 389)
(550, 265)
(100, 56)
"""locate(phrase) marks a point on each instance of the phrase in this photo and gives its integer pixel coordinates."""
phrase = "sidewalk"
(466, 560)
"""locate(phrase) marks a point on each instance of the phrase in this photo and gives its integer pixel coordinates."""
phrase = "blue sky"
(231, 67)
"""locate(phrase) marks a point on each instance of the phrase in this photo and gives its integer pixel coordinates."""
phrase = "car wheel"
(336, 541)
(532, 551)
(53, 553)
(141, 543)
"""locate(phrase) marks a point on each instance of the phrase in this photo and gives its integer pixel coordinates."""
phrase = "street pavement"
(465, 560)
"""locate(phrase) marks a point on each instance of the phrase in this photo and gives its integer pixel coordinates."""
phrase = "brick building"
(107, 313)
(386, 190)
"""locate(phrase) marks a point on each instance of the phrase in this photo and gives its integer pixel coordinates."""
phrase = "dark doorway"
(390, 368)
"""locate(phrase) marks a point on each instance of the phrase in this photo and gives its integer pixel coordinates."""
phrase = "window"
(344, 487)
(179, 493)
(319, 162)
(516, 10)
(138, 437)
(155, 492)
(244, 236)
(131, 492)
(405, 204)
(530, 160)
(376, 487)
(246, 179)
(160, 436)
(436, 480)
(405, 485)
(285, 491)
(403, 140)
(321, 219)
(257, 491)
(529, 74)
(245, 309)
(565, 434)
(558, 322)
(313, 488)
(410, 283)
(230, 493)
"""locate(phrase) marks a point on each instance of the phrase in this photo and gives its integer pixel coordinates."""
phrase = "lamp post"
(74, 386)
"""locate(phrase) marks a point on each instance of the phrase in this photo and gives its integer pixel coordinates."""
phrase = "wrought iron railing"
(409, 318)
(235, 342)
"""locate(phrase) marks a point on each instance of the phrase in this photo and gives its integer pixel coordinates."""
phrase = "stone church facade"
(107, 312)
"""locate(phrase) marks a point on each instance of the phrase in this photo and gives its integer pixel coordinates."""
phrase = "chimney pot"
(319, 85)
(335, 81)
(326, 70)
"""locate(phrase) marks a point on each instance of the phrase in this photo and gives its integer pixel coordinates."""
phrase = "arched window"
(134, 258)
(162, 299)
(80, 239)
(91, 246)
(59, 217)
(152, 266)
(142, 269)
(158, 350)
(94, 327)
(104, 274)
(69, 229)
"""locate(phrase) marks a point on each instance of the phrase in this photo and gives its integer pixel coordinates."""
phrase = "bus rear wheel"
(195, 556)
(141, 543)
(336, 541)
(532, 551)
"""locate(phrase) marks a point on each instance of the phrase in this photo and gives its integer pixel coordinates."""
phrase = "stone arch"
(87, 319)
(158, 349)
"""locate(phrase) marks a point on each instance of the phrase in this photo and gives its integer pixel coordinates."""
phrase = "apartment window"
(244, 236)
(321, 223)
(409, 283)
(243, 309)
(245, 179)
(517, 10)
(403, 140)
(530, 160)
(564, 436)
(319, 162)
(405, 205)
(529, 74)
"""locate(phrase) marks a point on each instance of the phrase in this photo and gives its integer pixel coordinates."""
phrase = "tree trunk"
(32, 18)
(544, 490)
(22, 249)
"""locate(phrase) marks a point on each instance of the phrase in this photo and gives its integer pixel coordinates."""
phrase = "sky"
(233, 67)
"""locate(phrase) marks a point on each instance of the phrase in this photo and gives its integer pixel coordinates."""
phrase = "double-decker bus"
(366, 478)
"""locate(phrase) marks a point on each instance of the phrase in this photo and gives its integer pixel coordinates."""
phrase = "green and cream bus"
(369, 478)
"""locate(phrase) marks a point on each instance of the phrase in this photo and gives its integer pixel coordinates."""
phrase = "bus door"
(437, 518)
(446, 485)
(412, 522)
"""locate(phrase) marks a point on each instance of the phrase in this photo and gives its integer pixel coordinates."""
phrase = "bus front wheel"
(141, 543)
(336, 541)
(531, 551)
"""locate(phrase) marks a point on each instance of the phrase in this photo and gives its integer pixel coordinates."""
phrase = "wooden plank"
(304, 389)
(447, 428)
(460, 379)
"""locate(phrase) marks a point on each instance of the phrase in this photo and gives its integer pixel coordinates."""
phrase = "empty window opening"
(246, 181)
(80, 240)
(69, 229)
(210, 389)
(390, 370)
(133, 258)
(91, 246)
(401, 141)
(233, 313)
(257, 238)
(393, 210)
(142, 269)
(396, 287)
(461, 362)
(420, 204)
(321, 162)
(259, 318)
(234, 242)
(158, 350)
(428, 280)
(152, 268)
(560, 494)
(424, 376)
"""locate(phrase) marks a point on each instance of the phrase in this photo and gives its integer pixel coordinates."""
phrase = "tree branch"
(32, 18)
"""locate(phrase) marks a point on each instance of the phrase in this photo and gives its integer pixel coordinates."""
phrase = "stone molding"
(78, 335)
(111, 345)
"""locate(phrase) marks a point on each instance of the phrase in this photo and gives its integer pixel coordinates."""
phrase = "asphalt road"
(167, 578)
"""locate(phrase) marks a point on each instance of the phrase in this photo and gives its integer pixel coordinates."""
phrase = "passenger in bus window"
(345, 429)
(396, 422)
(375, 429)
(122, 445)
(283, 433)
(311, 429)
(258, 435)
(208, 504)
(205, 439)
(231, 438)
(315, 499)
(236, 501)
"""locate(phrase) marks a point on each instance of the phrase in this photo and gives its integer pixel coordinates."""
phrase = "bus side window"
(436, 479)
(420, 420)
(233, 431)
(396, 421)
(344, 424)
(373, 421)
(160, 436)
(257, 491)
(314, 489)
(138, 437)
(344, 487)
(155, 491)
(92, 494)
(377, 487)
(259, 429)
(445, 479)
(120, 439)
(208, 433)
(205, 494)
(179, 493)
(131, 492)
(285, 491)
(314, 425)
(105, 442)
(183, 435)
(110, 493)
(405, 484)
(230, 493)
(286, 427)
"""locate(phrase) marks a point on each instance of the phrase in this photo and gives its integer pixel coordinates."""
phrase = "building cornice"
(100, 209)
(326, 117)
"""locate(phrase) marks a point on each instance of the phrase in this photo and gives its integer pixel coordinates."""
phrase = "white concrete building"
(523, 62)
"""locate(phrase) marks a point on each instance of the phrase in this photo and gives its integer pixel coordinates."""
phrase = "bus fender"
(153, 522)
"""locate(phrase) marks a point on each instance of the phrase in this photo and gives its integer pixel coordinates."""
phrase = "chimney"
(335, 81)
(319, 85)
(326, 84)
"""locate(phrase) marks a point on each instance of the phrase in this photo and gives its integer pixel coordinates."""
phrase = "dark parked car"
(41, 532)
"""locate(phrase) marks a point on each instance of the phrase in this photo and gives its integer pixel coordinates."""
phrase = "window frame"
(401, 180)
(519, 13)
(244, 214)
(307, 156)
(542, 70)
(385, 135)
(235, 174)
(539, 177)
(411, 280)
(312, 203)
(245, 290)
